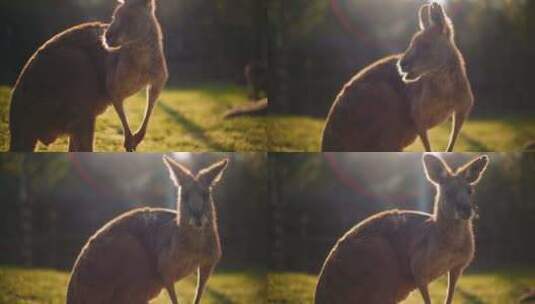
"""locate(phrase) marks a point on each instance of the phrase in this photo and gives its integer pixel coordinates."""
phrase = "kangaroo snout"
(111, 38)
(465, 212)
(406, 68)
(199, 222)
(404, 65)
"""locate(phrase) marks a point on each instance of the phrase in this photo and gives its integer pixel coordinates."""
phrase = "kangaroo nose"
(198, 223)
(465, 211)
(110, 38)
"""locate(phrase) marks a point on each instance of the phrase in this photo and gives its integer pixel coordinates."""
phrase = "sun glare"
(184, 156)
(441, 2)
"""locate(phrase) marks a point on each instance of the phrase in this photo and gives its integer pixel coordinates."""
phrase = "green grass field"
(191, 119)
(292, 133)
(185, 119)
(36, 286)
(492, 287)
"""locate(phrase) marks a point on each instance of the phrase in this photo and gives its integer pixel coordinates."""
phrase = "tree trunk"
(261, 25)
(26, 216)
(278, 250)
(278, 58)
(52, 239)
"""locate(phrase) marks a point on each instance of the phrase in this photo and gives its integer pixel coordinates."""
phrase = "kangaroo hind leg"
(22, 142)
(82, 136)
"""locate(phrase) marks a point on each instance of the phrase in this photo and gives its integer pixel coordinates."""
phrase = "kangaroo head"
(131, 22)
(454, 189)
(195, 206)
(430, 49)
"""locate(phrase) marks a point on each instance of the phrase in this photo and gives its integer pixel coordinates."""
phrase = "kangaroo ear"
(424, 14)
(211, 175)
(473, 171)
(179, 174)
(436, 169)
(439, 19)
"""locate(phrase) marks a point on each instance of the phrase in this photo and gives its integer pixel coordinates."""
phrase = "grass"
(185, 119)
(491, 287)
(36, 286)
(294, 133)
(191, 119)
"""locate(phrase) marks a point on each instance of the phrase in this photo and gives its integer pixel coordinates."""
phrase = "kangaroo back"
(370, 264)
(119, 263)
(371, 113)
(70, 66)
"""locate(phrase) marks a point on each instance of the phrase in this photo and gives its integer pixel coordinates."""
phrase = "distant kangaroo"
(385, 257)
(133, 257)
(256, 76)
(389, 104)
(77, 74)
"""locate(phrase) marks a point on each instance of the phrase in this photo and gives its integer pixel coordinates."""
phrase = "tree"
(35, 174)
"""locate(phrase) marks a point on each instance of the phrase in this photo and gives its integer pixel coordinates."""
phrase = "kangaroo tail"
(258, 108)
(528, 298)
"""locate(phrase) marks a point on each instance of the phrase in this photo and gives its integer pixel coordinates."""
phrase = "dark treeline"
(321, 196)
(51, 204)
(318, 45)
(204, 40)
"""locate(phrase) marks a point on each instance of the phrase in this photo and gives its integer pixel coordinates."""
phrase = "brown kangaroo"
(385, 257)
(77, 74)
(389, 104)
(256, 76)
(133, 257)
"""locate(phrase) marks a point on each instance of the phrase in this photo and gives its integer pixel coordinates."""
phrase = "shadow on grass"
(470, 297)
(218, 296)
(216, 91)
(194, 129)
(477, 145)
(522, 131)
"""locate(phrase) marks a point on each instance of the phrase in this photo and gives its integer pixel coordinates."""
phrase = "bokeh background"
(204, 40)
(51, 204)
(321, 196)
(318, 45)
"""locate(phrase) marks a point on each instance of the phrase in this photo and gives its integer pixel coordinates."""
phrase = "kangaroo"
(389, 104)
(77, 74)
(256, 76)
(385, 257)
(133, 257)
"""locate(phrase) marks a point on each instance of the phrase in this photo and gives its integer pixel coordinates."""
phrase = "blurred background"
(318, 45)
(321, 196)
(52, 203)
(204, 40)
